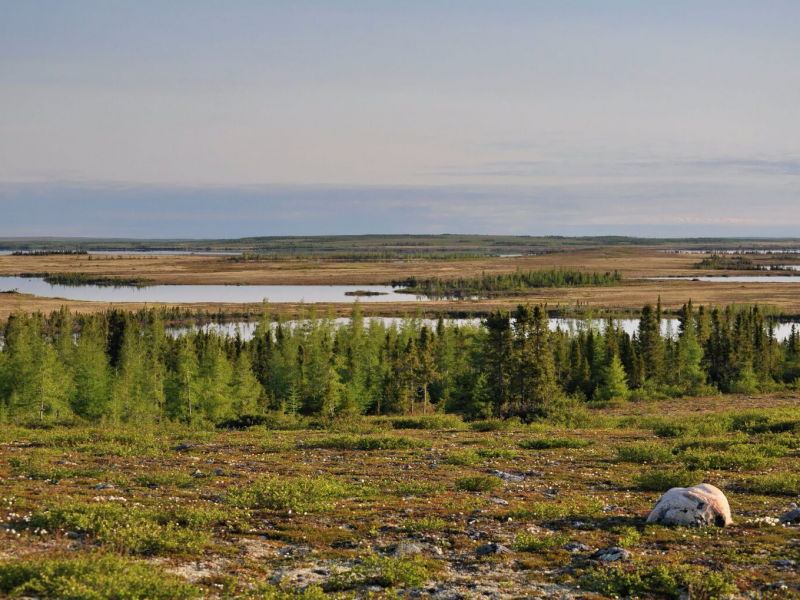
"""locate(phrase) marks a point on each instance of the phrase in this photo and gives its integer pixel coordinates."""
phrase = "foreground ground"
(373, 508)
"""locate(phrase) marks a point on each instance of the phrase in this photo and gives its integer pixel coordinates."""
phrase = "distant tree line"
(519, 280)
(79, 279)
(119, 366)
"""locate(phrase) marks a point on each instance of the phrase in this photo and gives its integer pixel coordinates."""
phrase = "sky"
(215, 118)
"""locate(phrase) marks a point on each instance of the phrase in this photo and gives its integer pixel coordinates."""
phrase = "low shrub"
(296, 494)
(132, 529)
(661, 481)
(663, 581)
(437, 422)
(745, 457)
(467, 458)
(479, 483)
(496, 425)
(93, 577)
(345, 442)
(528, 542)
(554, 443)
(645, 453)
(778, 484)
(553, 511)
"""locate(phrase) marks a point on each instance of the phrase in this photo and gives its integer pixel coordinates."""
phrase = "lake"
(236, 294)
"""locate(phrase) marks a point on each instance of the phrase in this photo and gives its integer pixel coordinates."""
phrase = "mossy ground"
(262, 513)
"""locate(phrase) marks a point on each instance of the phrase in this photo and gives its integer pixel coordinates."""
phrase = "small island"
(360, 293)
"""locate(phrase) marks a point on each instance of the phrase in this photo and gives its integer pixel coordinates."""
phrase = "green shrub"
(551, 511)
(385, 571)
(438, 422)
(272, 592)
(645, 453)
(661, 481)
(132, 528)
(296, 494)
(387, 442)
(662, 581)
(629, 537)
(429, 523)
(556, 442)
(94, 577)
(412, 487)
(495, 453)
(479, 483)
(466, 458)
(779, 484)
(398, 572)
(738, 457)
(496, 425)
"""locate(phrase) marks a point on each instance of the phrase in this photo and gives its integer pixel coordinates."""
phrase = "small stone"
(182, 447)
(499, 501)
(406, 549)
(612, 554)
(508, 477)
(575, 547)
(197, 473)
(490, 549)
(103, 486)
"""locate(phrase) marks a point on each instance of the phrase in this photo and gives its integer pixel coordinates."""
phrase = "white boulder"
(701, 505)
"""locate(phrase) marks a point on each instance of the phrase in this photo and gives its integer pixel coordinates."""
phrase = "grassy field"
(380, 506)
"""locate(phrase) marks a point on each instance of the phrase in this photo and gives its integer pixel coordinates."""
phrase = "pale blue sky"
(201, 118)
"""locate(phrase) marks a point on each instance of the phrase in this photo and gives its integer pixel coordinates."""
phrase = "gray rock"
(786, 562)
(793, 516)
(701, 505)
(499, 501)
(575, 547)
(180, 447)
(612, 554)
(406, 549)
(491, 549)
(508, 477)
(104, 486)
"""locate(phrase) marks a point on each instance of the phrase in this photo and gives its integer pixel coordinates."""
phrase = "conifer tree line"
(119, 366)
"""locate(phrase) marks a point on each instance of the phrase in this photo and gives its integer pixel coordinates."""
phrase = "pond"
(236, 294)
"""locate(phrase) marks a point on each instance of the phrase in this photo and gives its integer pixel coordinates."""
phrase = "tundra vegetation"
(323, 460)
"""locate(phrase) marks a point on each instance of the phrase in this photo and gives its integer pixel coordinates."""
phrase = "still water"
(205, 293)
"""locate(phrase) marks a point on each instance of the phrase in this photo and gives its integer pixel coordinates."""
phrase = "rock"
(182, 447)
(575, 547)
(793, 516)
(490, 549)
(701, 505)
(406, 549)
(103, 486)
(786, 562)
(197, 473)
(508, 477)
(612, 554)
(499, 501)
